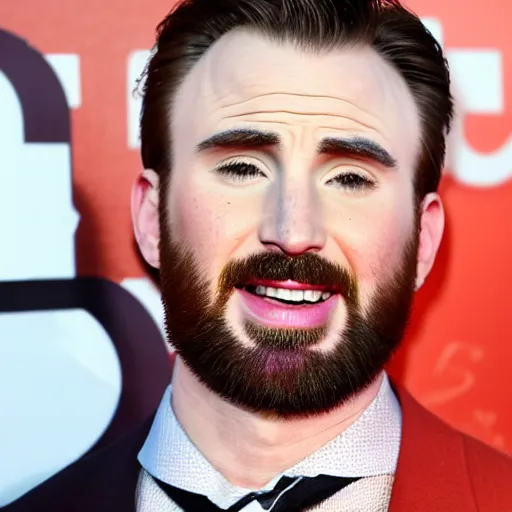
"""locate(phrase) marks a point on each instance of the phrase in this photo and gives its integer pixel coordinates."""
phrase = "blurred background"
(82, 354)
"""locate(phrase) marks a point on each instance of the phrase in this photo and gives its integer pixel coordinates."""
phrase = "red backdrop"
(457, 357)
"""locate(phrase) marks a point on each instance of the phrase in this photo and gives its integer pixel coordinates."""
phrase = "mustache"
(308, 268)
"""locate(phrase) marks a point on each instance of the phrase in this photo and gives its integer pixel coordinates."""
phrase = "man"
(293, 149)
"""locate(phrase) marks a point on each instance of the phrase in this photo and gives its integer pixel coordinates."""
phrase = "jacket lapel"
(431, 472)
(116, 473)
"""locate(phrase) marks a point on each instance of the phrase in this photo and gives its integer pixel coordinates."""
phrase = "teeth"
(309, 296)
(271, 292)
(292, 295)
(297, 295)
(261, 290)
(316, 295)
(284, 294)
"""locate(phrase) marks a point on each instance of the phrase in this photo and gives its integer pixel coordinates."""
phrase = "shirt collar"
(369, 447)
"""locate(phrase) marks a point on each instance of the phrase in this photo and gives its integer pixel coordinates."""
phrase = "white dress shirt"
(369, 449)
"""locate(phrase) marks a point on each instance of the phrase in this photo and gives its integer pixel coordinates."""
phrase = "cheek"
(390, 250)
(212, 225)
(192, 219)
(196, 223)
(389, 242)
(373, 238)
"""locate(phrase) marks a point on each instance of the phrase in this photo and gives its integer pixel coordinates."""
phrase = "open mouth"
(288, 304)
(290, 296)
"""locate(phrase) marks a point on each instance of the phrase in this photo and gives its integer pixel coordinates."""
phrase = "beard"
(281, 375)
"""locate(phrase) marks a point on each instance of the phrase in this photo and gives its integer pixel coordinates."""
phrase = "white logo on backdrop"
(477, 78)
(61, 366)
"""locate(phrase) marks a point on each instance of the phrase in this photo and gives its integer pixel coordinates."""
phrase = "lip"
(272, 313)
(290, 285)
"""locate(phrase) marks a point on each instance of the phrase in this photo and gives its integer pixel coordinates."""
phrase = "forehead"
(246, 80)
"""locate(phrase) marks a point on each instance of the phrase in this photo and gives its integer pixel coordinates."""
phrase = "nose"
(292, 219)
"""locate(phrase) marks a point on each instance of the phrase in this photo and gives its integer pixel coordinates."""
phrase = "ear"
(431, 233)
(144, 206)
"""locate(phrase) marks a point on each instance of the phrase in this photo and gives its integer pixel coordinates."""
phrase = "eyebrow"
(359, 147)
(248, 138)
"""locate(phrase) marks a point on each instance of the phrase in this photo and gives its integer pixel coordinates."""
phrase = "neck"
(249, 450)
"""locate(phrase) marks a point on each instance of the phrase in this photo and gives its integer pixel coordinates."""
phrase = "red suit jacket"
(442, 470)
(439, 470)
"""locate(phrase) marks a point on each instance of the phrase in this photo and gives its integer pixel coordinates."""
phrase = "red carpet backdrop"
(81, 347)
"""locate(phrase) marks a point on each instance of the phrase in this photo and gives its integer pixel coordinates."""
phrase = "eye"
(352, 181)
(239, 171)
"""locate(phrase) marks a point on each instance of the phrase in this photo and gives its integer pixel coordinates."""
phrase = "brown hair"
(392, 31)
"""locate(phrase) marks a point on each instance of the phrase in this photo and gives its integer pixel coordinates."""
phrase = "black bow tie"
(289, 495)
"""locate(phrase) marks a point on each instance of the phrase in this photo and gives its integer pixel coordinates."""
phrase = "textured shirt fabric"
(369, 448)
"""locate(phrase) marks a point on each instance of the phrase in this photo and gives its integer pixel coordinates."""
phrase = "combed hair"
(390, 29)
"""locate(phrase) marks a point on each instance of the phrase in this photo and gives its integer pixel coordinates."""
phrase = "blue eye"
(239, 171)
(352, 181)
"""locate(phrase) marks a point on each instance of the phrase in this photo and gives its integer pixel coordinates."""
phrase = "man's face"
(289, 237)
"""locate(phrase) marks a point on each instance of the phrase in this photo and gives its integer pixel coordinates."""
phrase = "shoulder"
(103, 480)
(489, 470)
(62, 490)
(441, 468)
